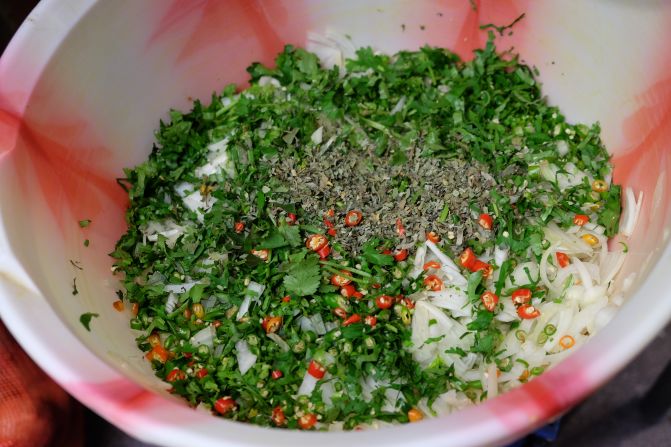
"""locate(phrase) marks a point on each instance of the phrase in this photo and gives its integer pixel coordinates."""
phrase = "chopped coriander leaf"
(85, 319)
(84, 223)
(303, 277)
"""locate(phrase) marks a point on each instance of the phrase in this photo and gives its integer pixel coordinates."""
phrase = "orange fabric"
(34, 411)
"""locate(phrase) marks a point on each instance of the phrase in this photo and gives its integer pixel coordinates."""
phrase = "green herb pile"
(422, 105)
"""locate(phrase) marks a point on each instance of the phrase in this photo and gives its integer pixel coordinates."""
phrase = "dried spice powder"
(425, 193)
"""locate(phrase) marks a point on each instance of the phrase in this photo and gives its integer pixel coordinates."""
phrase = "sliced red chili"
(384, 301)
(521, 296)
(352, 319)
(158, 353)
(239, 227)
(324, 252)
(386, 251)
(353, 218)
(400, 229)
(432, 282)
(341, 280)
(431, 265)
(562, 259)
(316, 369)
(433, 237)
(401, 255)
(278, 417)
(174, 375)
(316, 242)
(340, 312)
(202, 372)
(528, 312)
(486, 221)
(486, 269)
(358, 295)
(307, 421)
(348, 291)
(332, 232)
(580, 219)
(271, 324)
(286, 299)
(224, 405)
(370, 320)
(291, 218)
(410, 304)
(276, 374)
(468, 258)
(328, 223)
(262, 254)
(489, 300)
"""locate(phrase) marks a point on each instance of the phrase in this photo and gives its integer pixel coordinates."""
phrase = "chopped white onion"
(254, 292)
(269, 80)
(399, 106)
(204, 336)
(562, 148)
(418, 263)
(308, 384)
(632, 209)
(448, 267)
(246, 359)
(500, 255)
(284, 346)
(492, 381)
(171, 303)
(318, 324)
(453, 299)
(331, 48)
(209, 302)
(306, 324)
(317, 135)
(180, 288)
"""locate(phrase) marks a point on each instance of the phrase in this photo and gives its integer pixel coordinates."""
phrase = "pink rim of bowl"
(599, 61)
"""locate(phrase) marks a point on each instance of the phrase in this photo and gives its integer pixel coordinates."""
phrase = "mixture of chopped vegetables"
(383, 240)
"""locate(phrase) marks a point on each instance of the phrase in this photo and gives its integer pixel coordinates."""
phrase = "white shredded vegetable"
(171, 303)
(254, 292)
(246, 359)
(631, 211)
(307, 385)
(204, 337)
(579, 302)
(284, 346)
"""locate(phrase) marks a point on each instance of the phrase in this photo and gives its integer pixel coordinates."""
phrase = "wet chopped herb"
(85, 319)
(84, 223)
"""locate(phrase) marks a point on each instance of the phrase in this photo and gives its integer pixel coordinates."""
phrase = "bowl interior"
(65, 139)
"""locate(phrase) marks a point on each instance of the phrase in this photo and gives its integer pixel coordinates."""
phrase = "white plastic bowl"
(84, 83)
